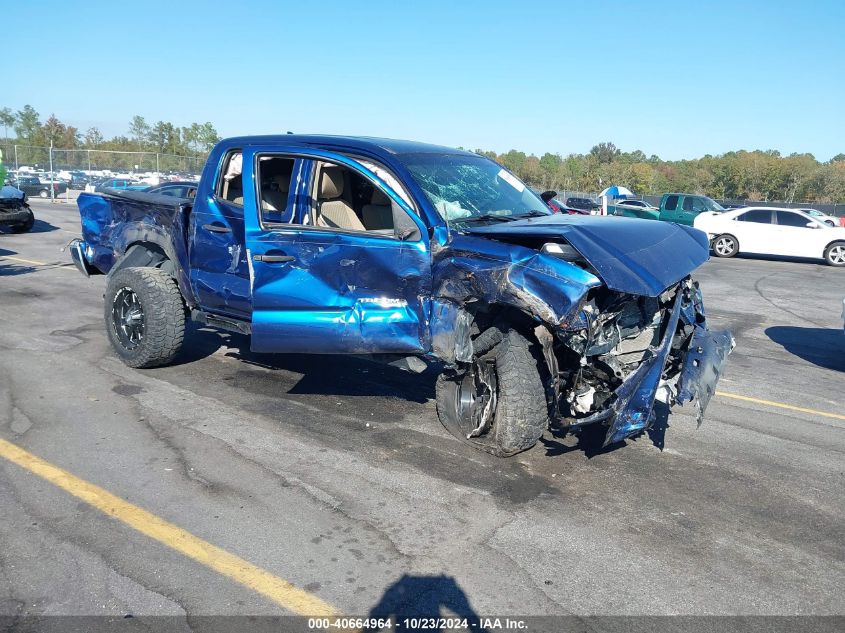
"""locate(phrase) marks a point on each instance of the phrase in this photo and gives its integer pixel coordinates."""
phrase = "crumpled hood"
(639, 257)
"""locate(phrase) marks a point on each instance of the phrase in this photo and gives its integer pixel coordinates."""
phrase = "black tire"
(25, 227)
(43, 194)
(521, 411)
(725, 245)
(834, 254)
(162, 316)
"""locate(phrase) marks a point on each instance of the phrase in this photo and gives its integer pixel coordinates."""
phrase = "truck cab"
(682, 208)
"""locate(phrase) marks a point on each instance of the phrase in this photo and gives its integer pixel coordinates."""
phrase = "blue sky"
(678, 79)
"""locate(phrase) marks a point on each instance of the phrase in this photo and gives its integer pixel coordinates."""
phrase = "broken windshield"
(467, 188)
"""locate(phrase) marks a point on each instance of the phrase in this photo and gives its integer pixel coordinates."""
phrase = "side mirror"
(547, 195)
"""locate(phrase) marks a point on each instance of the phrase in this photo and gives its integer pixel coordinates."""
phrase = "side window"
(787, 218)
(699, 205)
(345, 199)
(688, 202)
(230, 180)
(274, 178)
(671, 203)
(760, 216)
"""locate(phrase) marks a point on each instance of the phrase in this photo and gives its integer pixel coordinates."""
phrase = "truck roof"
(349, 143)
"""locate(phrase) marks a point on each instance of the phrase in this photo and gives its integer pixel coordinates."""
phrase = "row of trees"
(741, 175)
(185, 146)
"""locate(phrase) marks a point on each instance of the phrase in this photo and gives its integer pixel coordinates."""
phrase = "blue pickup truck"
(421, 256)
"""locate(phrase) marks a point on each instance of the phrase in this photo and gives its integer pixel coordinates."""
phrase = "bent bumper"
(19, 216)
(77, 249)
(703, 357)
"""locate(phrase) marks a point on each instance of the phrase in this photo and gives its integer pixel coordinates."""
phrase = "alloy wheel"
(724, 246)
(475, 404)
(128, 318)
(836, 254)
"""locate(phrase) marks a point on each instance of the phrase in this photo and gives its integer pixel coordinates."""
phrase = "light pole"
(52, 188)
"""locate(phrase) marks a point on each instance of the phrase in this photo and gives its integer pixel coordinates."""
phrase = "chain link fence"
(46, 158)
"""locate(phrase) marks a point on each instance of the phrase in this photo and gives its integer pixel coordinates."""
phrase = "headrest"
(379, 198)
(235, 167)
(282, 182)
(331, 183)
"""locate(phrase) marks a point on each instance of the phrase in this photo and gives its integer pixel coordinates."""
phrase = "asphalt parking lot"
(333, 474)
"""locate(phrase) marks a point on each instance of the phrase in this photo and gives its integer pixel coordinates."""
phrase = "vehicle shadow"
(321, 374)
(824, 347)
(42, 226)
(780, 258)
(415, 603)
(590, 439)
(10, 268)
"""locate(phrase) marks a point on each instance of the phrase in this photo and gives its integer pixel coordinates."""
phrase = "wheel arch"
(832, 242)
(151, 254)
(453, 325)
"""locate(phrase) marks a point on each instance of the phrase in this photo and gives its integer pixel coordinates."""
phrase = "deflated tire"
(503, 384)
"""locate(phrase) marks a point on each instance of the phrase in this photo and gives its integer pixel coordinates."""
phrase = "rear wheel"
(498, 401)
(44, 193)
(725, 245)
(835, 254)
(145, 316)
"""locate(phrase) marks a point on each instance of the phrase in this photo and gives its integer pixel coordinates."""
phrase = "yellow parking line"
(781, 405)
(35, 263)
(276, 589)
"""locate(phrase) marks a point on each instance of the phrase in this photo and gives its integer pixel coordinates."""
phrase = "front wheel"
(498, 401)
(835, 254)
(145, 316)
(725, 245)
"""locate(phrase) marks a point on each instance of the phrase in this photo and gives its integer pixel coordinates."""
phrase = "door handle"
(270, 259)
(216, 228)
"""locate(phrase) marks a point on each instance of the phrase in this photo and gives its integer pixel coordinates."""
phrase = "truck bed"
(115, 219)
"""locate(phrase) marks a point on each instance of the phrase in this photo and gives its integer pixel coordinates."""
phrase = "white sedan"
(772, 231)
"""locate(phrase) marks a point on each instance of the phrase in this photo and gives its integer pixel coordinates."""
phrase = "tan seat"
(378, 215)
(276, 199)
(332, 210)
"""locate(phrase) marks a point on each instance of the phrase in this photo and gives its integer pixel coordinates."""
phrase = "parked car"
(32, 186)
(636, 209)
(556, 205)
(78, 181)
(822, 217)
(113, 183)
(413, 254)
(772, 231)
(559, 207)
(683, 208)
(15, 213)
(176, 189)
(584, 204)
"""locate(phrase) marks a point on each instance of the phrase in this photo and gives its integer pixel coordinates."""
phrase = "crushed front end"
(617, 353)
